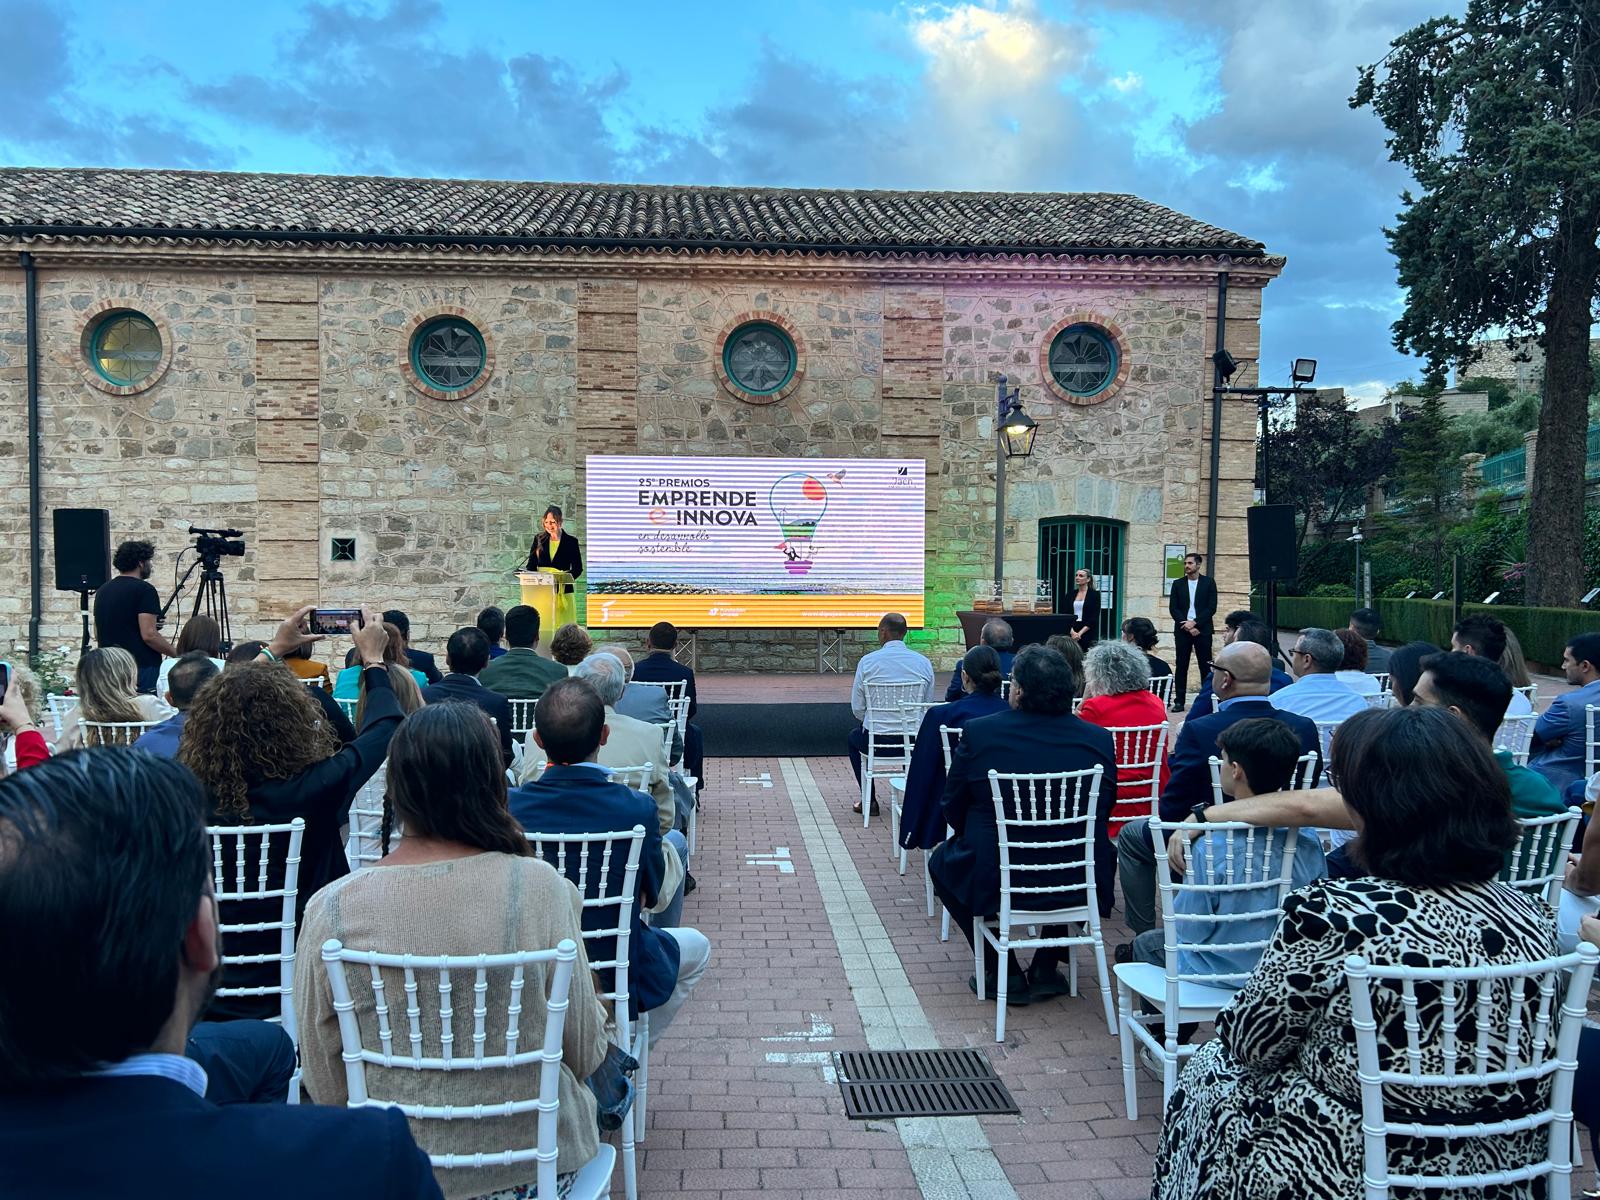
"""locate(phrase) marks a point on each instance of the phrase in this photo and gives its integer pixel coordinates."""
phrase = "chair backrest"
(521, 717)
(605, 869)
(1077, 703)
(1161, 685)
(1005, 688)
(1248, 869)
(1539, 859)
(1304, 777)
(1531, 691)
(680, 712)
(406, 1048)
(949, 735)
(1046, 825)
(638, 778)
(1525, 1029)
(349, 707)
(1140, 750)
(676, 689)
(1325, 732)
(669, 732)
(364, 845)
(253, 866)
(1516, 735)
(61, 710)
(1381, 678)
(112, 733)
(1591, 747)
(886, 714)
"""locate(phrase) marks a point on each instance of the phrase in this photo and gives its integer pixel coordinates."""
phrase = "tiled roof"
(209, 204)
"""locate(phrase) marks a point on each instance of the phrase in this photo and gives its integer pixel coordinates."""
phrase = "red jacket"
(31, 749)
(1121, 711)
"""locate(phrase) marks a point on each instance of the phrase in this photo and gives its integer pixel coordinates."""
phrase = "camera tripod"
(211, 599)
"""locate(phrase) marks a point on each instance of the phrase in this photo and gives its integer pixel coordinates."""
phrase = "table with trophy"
(1027, 605)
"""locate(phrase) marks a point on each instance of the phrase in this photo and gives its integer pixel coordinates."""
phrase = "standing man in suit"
(576, 795)
(1037, 734)
(420, 659)
(467, 654)
(521, 673)
(1242, 676)
(110, 958)
(1193, 605)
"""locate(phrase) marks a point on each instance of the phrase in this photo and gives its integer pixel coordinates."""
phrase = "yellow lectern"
(549, 592)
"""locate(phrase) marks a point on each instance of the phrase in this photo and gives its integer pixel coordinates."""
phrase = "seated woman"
(463, 881)
(1118, 696)
(260, 742)
(107, 683)
(1272, 1106)
(570, 645)
(347, 685)
(28, 716)
(922, 820)
(1352, 670)
(1072, 651)
(199, 632)
(1405, 668)
(1141, 633)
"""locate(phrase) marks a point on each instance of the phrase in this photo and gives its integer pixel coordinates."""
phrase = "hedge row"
(1543, 632)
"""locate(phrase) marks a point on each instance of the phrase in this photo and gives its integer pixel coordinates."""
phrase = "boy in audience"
(1258, 756)
(492, 621)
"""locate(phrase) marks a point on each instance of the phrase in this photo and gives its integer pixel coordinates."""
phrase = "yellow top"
(555, 544)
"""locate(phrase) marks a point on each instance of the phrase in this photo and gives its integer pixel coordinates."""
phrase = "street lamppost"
(1361, 600)
(1014, 431)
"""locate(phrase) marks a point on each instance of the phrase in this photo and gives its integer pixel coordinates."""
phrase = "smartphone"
(325, 621)
(5, 677)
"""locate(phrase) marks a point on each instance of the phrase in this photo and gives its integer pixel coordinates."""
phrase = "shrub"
(1398, 589)
(1333, 589)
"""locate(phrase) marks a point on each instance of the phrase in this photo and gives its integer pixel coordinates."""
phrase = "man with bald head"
(1242, 679)
(997, 635)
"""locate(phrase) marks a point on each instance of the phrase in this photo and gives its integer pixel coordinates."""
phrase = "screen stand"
(687, 650)
(83, 608)
(830, 651)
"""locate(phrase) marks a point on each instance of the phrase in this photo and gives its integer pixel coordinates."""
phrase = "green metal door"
(1068, 543)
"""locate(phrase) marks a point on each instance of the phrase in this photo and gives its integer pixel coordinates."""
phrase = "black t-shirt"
(116, 617)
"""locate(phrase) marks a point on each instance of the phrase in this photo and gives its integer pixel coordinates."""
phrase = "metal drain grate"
(920, 1083)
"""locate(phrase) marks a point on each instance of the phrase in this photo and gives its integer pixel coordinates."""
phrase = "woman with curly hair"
(570, 645)
(107, 683)
(261, 744)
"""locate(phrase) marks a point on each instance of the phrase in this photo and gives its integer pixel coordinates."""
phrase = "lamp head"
(1304, 370)
(1019, 430)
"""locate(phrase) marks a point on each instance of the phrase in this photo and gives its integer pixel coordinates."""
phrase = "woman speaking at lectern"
(553, 548)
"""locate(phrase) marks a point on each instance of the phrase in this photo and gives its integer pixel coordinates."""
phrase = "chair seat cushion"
(1149, 982)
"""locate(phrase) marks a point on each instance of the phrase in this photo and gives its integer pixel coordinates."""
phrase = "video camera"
(213, 544)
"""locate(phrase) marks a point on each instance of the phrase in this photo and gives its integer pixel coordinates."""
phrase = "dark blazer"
(568, 557)
(423, 661)
(582, 800)
(1091, 615)
(1190, 760)
(335, 714)
(969, 863)
(1205, 602)
(922, 822)
(1205, 701)
(659, 667)
(1159, 667)
(521, 674)
(322, 795)
(955, 692)
(469, 689)
(147, 1138)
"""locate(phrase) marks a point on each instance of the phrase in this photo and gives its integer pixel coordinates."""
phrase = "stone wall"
(288, 412)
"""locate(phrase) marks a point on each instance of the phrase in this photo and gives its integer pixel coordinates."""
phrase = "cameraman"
(126, 612)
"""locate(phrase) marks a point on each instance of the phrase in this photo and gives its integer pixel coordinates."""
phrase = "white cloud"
(1132, 81)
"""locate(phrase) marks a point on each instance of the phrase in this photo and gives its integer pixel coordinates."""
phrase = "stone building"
(411, 369)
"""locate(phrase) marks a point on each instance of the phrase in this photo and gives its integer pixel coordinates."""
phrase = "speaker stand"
(83, 609)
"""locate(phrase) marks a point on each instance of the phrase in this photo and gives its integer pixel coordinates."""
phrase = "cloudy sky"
(1231, 110)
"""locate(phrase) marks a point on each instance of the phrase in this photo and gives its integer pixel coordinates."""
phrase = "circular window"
(448, 354)
(1083, 360)
(125, 348)
(759, 358)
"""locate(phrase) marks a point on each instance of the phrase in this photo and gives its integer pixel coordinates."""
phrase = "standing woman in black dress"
(1085, 610)
(553, 548)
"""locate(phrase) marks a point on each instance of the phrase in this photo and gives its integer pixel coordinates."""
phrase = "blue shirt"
(162, 739)
(1319, 697)
(163, 1066)
(1205, 700)
(1561, 734)
(1309, 864)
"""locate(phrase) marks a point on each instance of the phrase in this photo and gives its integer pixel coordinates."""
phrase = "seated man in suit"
(185, 678)
(109, 960)
(422, 660)
(521, 673)
(1037, 734)
(996, 634)
(658, 666)
(575, 795)
(1242, 675)
(467, 654)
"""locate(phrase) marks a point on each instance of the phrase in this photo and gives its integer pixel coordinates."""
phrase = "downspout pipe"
(30, 288)
(1217, 382)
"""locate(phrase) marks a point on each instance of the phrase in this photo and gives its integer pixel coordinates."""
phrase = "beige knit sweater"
(489, 903)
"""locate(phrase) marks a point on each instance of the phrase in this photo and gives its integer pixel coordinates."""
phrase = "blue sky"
(1230, 110)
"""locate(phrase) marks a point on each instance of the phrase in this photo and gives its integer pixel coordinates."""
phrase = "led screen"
(760, 543)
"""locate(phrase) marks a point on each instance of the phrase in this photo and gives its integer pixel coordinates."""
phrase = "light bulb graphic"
(798, 501)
